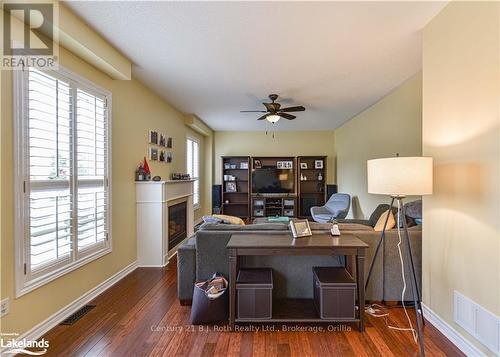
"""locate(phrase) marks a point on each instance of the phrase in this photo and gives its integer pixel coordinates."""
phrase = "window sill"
(47, 278)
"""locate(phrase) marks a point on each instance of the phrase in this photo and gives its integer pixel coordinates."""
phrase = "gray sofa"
(205, 253)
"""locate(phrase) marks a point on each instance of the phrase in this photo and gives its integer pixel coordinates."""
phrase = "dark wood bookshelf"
(238, 201)
(311, 184)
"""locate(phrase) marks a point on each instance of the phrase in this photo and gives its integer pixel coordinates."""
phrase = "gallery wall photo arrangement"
(156, 141)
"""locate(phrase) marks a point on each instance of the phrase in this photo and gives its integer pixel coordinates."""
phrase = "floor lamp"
(399, 177)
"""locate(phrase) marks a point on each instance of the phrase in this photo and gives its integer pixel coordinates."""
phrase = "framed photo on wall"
(153, 137)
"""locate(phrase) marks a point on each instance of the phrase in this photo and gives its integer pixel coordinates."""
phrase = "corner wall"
(392, 125)
(461, 131)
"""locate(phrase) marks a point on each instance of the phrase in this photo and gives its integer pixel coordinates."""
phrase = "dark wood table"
(318, 244)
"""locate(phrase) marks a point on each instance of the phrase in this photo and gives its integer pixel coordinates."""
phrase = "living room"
(165, 149)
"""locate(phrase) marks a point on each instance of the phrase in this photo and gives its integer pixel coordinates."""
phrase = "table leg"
(233, 262)
(360, 282)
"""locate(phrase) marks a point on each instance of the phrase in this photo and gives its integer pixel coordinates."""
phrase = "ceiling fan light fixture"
(273, 118)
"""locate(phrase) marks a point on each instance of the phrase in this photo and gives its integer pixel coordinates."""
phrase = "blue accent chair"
(337, 207)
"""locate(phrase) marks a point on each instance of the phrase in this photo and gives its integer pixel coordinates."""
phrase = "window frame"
(26, 282)
(192, 138)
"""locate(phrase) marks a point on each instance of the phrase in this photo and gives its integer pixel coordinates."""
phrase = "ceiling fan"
(274, 111)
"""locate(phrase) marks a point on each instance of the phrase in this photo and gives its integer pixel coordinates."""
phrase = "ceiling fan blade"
(298, 108)
(263, 117)
(253, 111)
(287, 116)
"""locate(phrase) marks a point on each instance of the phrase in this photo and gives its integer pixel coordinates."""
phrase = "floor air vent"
(77, 315)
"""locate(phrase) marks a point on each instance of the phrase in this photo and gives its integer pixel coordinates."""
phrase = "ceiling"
(214, 59)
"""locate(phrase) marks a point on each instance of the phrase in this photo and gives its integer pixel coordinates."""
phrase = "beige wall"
(287, 143)
(393, 125)
(135, 110)
(461, 72)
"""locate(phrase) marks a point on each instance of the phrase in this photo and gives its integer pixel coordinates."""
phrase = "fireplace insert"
(177, 224)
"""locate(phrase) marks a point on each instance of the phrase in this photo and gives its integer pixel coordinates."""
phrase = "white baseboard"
(43, 327)
(451, 334)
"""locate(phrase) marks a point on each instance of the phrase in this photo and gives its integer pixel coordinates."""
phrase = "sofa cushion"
(229, 219)
(349, 227)
(211, 219)
(413, 209)
(276, 226)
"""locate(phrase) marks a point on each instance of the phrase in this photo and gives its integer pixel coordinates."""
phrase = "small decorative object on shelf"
(229, 178)
(244, 165)
(257, 164)
(169, 157)
(180, 177)
(233, 166)
(157, 178)
(318, 164)
(230, 187)
(143, 173)
(320, 177)
(227, 166)
(303, 165)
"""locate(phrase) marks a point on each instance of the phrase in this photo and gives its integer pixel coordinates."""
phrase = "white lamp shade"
(400, 176)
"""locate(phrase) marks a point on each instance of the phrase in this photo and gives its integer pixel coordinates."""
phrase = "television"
(273, 180)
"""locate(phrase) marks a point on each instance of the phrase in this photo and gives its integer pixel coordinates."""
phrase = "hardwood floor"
(141, 316)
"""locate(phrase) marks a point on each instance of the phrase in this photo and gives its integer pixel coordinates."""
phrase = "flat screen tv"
(273, 180)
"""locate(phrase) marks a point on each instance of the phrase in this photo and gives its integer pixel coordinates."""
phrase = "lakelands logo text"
(36, 348)
(30, 34)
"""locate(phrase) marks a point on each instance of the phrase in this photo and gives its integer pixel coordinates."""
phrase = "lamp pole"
(411, 267)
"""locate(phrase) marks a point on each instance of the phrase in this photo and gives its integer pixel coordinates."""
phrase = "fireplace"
(177, 224)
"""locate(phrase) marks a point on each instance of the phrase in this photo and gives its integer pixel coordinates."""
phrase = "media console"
(267, 186)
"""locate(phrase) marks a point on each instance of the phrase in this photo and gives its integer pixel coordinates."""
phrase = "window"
(193, 167)
(62, 175)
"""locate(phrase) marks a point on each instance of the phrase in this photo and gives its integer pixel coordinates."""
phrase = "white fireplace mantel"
(152, 202)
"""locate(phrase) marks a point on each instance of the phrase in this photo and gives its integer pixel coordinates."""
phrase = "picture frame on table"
(300, 228)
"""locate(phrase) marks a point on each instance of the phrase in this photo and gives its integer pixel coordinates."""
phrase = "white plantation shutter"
(91, 158)
(193, 167)
(62, 140)
(49, 148)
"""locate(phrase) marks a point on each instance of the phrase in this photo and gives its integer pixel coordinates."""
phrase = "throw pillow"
(211, 219)
(391, 223)
(378, 212)
(230, 219)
